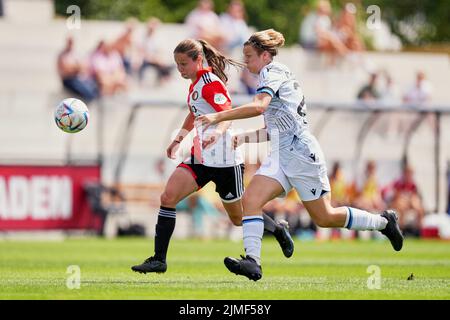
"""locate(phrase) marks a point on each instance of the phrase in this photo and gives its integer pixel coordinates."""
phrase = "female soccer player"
(296, 159)
(213, 157)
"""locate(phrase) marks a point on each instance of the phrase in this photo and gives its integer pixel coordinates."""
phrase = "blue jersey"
(285, 117)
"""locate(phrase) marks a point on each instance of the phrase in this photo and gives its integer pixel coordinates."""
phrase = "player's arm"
(188, 125)
(214, 136)
(216, 95)
(256, 136)
(253, 109)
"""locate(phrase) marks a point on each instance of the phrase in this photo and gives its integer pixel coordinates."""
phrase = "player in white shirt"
(296, 159)
(213, 157)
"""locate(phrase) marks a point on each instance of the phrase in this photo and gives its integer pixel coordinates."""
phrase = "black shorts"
(229, 180)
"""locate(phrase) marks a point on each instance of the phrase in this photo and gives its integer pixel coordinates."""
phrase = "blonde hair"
(217, 61)
(267, 40)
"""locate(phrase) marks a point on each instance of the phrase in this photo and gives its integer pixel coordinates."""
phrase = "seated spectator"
(389, 93)
(369, 92)
(204, 24)
(123, 45)
(236, 30)
(370, 196)
(406, 200)
(107, 66)
(316, 31)
(346, 28)
(152, 56)
(74, 74)
(420, 91)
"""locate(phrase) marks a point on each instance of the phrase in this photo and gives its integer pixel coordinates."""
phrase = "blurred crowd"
(338, 36)
(401, 194)
(108, 69)
(380, 88)
(111, 65)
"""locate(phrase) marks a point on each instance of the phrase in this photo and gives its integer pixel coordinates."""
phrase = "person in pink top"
(108, 69)
(205, 24)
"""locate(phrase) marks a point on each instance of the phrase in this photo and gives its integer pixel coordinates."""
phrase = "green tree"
(416, 21)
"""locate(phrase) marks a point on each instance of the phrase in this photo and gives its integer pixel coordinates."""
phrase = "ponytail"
(217, 61)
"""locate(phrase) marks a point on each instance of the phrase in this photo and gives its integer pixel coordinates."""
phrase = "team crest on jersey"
(219, 98)
(195, 95)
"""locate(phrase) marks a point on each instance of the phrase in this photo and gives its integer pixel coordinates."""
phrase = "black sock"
(164, 230)
(269, 224)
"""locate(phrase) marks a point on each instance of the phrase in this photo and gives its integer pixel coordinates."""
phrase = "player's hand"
(208, 120)
(210, 138)
(172, 149)
(237, 140)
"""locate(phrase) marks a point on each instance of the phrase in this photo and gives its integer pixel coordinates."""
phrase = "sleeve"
(216, 95)
(270, 81)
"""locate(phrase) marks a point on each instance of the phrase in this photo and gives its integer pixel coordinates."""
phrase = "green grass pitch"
(317, 270)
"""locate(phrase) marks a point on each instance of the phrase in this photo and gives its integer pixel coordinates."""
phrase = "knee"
(168, 199)
(250, 203)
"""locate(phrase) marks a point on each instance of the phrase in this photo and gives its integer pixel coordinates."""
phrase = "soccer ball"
(71, 115)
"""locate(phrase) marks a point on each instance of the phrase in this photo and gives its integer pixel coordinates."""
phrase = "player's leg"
(230, 186)
(234, 211)
(279, 229)
(261, 190)
(326, 216)
(180, 184)
(307, 173)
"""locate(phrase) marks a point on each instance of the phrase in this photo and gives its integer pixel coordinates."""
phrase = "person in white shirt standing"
(296, 159)
(420, 92)
(204, 23)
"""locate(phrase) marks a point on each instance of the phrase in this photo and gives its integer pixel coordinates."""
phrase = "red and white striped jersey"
(208, 94)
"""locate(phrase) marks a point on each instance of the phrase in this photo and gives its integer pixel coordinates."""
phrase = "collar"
(200, 73)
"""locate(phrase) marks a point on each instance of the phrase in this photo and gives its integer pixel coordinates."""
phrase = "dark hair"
(267, 40)
(217, 61)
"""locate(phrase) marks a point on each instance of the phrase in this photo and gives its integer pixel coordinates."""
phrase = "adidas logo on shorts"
(229, 196)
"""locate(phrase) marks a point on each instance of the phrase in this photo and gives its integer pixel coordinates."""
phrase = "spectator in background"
(340, 194)
(420, 91)
(346, 28)
(369, 91)
(406, 200)
(108, 69)
(316, 31)
(234, 26)
(236, 32)
(389, 93)
(74, 74)
(124, 45)
(420, 94)
(204, 24)
(152, 56)
(370, 197)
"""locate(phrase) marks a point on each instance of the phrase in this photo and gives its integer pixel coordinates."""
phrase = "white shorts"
(301, 166)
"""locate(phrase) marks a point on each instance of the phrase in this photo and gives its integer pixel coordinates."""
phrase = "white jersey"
(208, 94)
(296, 159)
(285, 117)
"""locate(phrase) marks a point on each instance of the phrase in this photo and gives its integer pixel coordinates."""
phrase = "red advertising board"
(46, 197)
